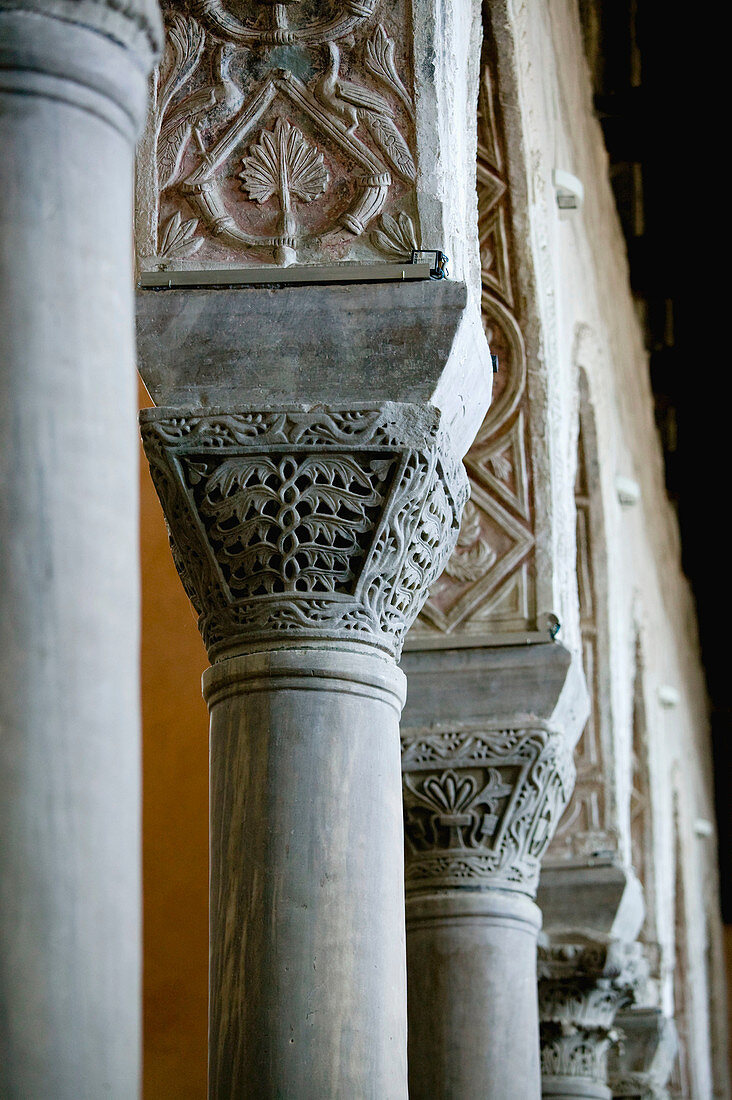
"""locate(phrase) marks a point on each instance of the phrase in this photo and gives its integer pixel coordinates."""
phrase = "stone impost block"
(603, 899)
(640, 1065)
(335, 345)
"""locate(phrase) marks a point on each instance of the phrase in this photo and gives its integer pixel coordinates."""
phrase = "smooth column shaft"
(473, 1017)
(69, 691)
(307, 982)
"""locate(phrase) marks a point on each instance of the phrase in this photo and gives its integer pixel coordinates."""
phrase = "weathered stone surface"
(288, 526)
(135, 24)
(603, 898)
(304, 134)
(307, 915)
(487, 739)
(315, 345)
(471, 974)
(640, 1065)
(71, 100)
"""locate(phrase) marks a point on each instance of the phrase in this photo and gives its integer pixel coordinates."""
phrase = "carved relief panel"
(279, 133)
(488, 586)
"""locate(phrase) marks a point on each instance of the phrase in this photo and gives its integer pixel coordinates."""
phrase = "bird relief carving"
(281, 134)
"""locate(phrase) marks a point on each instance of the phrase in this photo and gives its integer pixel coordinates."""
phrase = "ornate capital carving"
(581, 988)
(481, 805)
(322, 524)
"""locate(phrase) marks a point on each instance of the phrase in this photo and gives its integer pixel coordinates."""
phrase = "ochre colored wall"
(175, 822)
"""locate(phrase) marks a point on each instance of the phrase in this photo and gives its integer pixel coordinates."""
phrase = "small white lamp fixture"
(570, 190)
(703, 828)
(668, 696)
(628, 490)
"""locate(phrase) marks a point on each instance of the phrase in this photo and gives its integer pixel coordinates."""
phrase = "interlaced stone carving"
(481, 805)
(321, 524)
(581, 988)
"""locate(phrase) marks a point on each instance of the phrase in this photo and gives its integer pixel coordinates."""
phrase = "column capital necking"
(318, 525)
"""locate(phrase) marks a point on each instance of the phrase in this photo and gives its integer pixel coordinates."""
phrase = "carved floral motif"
(323, 524)
(481, 805)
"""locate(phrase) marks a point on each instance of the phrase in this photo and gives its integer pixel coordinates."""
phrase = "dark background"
(660, 82)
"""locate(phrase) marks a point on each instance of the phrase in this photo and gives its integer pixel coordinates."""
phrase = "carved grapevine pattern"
(272, 540)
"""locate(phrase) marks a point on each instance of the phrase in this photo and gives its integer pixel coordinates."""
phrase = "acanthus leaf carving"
(379, 60)
(396, 237)
(178, 237)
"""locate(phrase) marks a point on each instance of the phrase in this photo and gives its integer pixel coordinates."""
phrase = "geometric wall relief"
(279, 133)
(489, 587)
(585, 832)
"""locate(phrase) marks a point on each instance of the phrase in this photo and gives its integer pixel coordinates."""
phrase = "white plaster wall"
(574, 278)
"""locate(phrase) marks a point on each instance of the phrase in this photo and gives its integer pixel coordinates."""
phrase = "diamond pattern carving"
(500, 595)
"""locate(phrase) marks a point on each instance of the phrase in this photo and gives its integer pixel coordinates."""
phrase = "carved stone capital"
(481, 804)
(321, 525)
(581, 988)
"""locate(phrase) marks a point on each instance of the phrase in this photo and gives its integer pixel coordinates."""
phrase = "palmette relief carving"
(323, 525)
(338, 79)
(582, 986)
(489, 586)
(481, 805)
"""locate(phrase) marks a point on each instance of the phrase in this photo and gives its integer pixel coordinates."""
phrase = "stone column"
(73, 93)
(582, 986)
(487, 743)
(307, 540)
